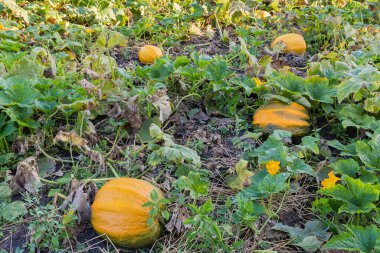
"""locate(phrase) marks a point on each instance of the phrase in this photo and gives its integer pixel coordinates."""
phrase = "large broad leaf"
(160, 70)
(318, 89)
(311, 143)
(289, 82)
(179, 154)
(5, 192)
(369, 152)
(362, 239)
(364, 76)
(353, 115)
(357, 197)
(195, 183)
(11, 211)
(347, 87)
(310, 238)
(6, 127)
(271, 149)
(346, 167)
(253, 190)
(273, 184)
(218, 71)
(16, 91)
(299, 166)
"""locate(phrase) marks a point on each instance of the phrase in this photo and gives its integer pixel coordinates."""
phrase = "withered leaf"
(72, 138)
(26, 177)
(162, 102)
(81, 194)
(132, 113)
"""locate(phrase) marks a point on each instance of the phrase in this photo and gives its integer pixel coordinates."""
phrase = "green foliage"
(362, 239)
(72, 66)
(309, 238)
(356, 196)
(194, 182)
(157, 208)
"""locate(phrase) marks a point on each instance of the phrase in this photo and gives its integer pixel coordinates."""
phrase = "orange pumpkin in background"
(291, 117)
(118, 212)
(148, 53)
(294, 43)
(262, 14)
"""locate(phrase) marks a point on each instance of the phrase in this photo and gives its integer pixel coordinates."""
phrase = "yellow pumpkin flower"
(89, 30)
(258, 82)
(330, 181)
(273, 167)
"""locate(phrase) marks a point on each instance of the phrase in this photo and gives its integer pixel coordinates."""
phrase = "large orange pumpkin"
(293, 43)
(148, 53)
(278, 115)
(118, 212)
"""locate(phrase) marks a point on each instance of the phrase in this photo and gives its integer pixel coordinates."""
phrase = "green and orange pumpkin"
(291, 117)
(118, 213)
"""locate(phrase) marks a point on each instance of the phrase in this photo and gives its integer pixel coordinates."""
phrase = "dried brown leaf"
(80, 197)
(131, 113)
(26, 177)
(72, 138)
(162, 102)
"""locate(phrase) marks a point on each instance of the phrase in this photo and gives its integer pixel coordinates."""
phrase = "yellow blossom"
(330, 181)
(89, 30)
(257, 82)
(273, 167)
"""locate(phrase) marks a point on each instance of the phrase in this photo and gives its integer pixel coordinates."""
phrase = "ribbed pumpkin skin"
(277, 115)
(148, 53)
(293, 43)
(117, 212)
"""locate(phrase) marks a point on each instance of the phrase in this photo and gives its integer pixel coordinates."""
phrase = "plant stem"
(52, 158)
(49, 181)
(274, 214)
(112, 169)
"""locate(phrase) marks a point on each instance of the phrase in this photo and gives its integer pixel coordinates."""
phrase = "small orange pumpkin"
(293, 43)
(148, 53)
(118, 212)
(262, 14)
(292, 117)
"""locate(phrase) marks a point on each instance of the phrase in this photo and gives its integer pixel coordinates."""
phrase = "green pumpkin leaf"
(160, 70)
(318, 89)
(299, 166)
(362, 239)
(273, 184)
(347, 167)
(311, 143)
(289, 82)
(5, 192)
(11, 211)
(6, 128)
(253, 190)
(195, 183)
(271, 149)
(309, 238)
(16, 91)
(218, 71)
(346, 88)
(369, 152)
(357, 197)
